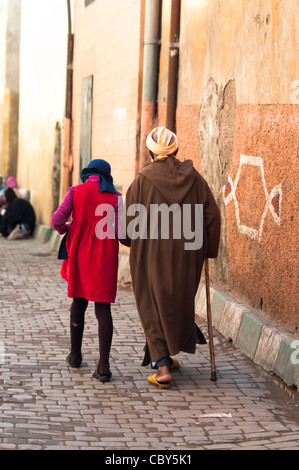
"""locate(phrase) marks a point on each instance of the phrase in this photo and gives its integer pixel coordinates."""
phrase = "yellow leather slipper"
(152, 379)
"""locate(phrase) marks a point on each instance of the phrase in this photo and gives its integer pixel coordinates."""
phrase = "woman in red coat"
(91, 257)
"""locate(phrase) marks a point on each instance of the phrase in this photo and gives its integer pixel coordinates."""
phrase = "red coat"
(92, 264)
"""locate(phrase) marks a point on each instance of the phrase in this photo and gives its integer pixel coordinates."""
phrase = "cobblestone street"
(45, 406)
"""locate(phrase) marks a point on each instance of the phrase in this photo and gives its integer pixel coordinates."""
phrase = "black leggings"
(105, 332)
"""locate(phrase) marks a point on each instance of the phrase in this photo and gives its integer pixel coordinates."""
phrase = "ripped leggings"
(105, 332)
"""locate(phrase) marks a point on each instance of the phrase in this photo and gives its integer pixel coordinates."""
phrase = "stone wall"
(237, 119)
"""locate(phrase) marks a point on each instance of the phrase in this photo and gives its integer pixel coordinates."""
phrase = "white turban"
(162, 148)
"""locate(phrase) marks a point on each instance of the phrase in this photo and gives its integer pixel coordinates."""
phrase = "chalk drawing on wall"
(272, 204)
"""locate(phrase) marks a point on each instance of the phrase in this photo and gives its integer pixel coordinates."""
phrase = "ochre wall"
(238, 120)
(263, 264)
(42, 98)
(9, 85)
(107, 47)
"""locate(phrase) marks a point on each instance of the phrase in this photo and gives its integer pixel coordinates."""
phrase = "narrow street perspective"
(46, 405)
(149, 227)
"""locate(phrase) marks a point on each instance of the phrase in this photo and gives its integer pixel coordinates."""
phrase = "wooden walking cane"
(209, 318)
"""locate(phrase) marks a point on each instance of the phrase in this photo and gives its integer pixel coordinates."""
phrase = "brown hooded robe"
(165, 275)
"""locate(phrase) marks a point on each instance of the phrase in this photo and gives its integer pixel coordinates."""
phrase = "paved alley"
(46, 406)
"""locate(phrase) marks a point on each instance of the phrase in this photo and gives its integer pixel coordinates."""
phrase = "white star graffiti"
(255, 234)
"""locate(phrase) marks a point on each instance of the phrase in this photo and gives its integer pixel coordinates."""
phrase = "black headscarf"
(10, 195)
(102, 169)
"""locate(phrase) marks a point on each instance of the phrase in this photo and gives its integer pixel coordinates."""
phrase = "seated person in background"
(11, 182)
(18, 213)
